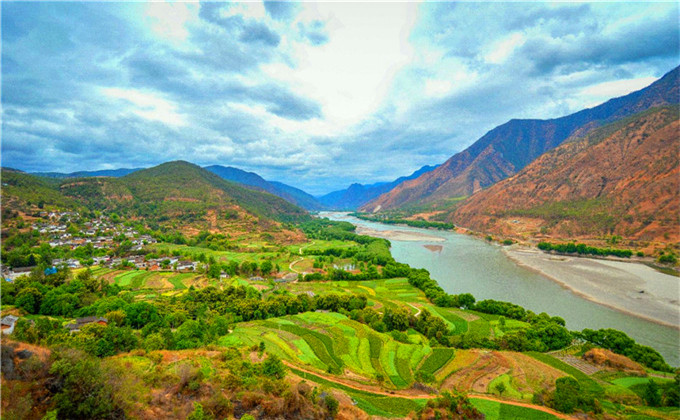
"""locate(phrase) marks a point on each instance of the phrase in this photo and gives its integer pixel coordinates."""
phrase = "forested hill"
(508, 148)
(174, 190)
(255, 181)
(623, 178)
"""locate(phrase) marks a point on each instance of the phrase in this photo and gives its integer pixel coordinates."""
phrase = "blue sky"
(317, 95)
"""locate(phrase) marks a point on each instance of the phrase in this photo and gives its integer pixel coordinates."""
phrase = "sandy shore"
(629, 287)
(398, 235)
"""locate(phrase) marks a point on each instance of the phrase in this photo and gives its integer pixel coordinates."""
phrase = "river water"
(465, 264)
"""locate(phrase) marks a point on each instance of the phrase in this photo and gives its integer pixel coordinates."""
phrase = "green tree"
(29, 299)
(500, 387)
(565, 398)
(273, 367)
(651, 394)
(198, 413)
(84, 393)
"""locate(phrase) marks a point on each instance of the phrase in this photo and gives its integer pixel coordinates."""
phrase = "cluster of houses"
(99, 233)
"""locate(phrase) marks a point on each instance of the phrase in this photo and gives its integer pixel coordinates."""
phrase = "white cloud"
(352, 73)
(502, 50)
(168, 20)
(596, 94)
(148, 106)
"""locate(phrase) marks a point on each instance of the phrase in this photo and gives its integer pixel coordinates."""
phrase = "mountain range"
(508, 148)
(357, 195)
(621, 179)
(171, 191)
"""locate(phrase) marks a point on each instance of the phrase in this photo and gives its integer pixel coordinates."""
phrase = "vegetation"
(582, 249)
(239, 324)
(426, 224)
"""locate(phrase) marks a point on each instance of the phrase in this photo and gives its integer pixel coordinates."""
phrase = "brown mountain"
(623, 178)
(508, 148)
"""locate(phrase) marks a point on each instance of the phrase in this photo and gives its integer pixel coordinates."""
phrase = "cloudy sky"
(314, 95)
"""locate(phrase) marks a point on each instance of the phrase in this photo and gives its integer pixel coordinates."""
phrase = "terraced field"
(151, 280)
(331, 342)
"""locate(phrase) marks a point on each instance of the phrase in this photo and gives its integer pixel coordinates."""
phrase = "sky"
(316, 95)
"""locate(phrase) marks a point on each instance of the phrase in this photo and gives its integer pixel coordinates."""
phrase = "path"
(290, 266)
(413, 394)
(418, 311)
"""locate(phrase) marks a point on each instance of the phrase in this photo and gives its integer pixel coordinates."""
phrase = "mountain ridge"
(508, 148)
(622, 178)
(357, 195)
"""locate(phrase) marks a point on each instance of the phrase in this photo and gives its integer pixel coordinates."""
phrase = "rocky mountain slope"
(623, 179)
(508, 148)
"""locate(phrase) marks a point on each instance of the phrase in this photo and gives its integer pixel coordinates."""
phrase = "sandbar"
(629, 287)
(399, 235)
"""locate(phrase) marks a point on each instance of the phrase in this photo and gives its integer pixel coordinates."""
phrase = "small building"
(8, 323)
(256, 278)
(81, 322)
(186, 265)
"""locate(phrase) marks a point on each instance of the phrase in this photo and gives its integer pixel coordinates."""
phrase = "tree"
(266, 267)
(651, 394)
(29, 299)
(198, 413)
(500, 387)
(273, 367)
(84, 393)
(565, 398)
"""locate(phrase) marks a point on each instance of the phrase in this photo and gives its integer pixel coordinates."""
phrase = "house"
(15, 273)
(81, 322)
(256, 278)
(8, 324)
(73, 263)
(186, 265)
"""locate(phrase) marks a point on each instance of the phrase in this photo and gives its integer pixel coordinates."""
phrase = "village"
(101, 237)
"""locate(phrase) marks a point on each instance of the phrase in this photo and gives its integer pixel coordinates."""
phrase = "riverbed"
(463, 263)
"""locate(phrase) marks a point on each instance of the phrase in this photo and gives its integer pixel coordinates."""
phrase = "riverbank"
(635, 289)
(398, 235)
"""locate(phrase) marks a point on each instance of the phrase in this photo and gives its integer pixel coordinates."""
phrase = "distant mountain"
(255, 181)
(178, 191)
(622, 178)
(116, 173)
(297, 196)
(357, 194)
(508, 148)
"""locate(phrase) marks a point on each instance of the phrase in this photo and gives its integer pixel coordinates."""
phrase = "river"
(465, 264)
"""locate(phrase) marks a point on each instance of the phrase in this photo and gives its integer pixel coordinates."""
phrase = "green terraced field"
(437, 359)
(332, 342)
(494, 410)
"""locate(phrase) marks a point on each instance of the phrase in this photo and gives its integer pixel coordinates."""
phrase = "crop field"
(331, 342)
(494, 410)
(480, 371)
(585, 381)
(151, 280)
(372, 404)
